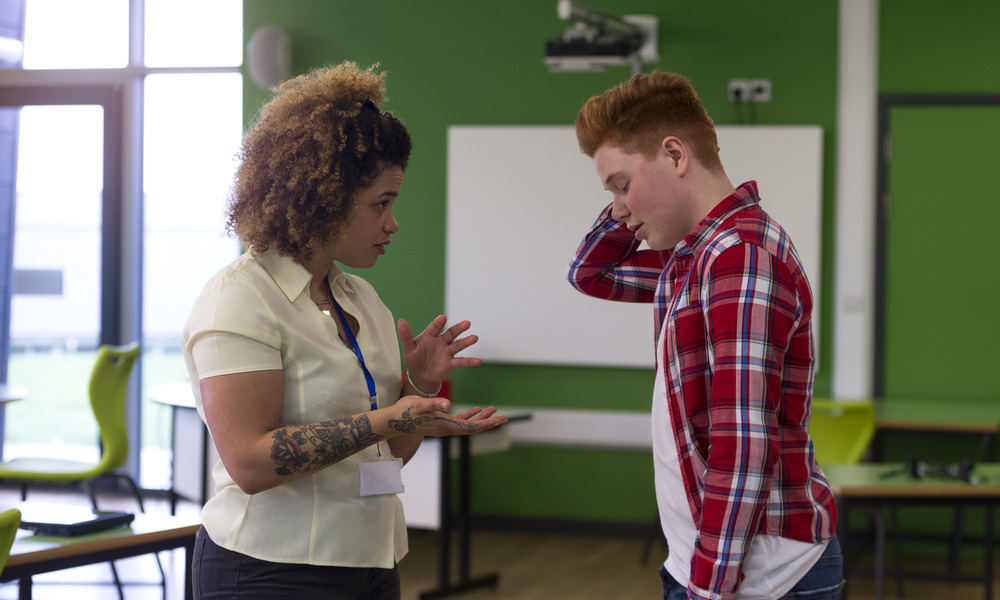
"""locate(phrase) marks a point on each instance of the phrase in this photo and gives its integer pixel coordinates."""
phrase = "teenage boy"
(746, 511)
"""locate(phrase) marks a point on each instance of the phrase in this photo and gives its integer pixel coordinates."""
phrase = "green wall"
(932, 47)
(470, 63)
(465, 63)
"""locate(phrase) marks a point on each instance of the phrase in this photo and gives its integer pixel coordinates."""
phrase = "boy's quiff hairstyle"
(320, 140)
(637, 114)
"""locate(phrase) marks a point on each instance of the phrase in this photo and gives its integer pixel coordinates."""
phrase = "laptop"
(69, 520)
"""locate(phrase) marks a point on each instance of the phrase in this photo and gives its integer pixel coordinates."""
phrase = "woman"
(295, 364)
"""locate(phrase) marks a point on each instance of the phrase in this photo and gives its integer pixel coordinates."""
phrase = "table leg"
(444, 531)
(465, 583)
(465, 471)
(24, 588)
(463, 509)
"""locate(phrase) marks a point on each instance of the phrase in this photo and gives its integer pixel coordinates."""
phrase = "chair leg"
(955, 552)
(898, 551)
(655, 532)
(879, 522)
(138, 498)
(118, 582)
(89, 490)
(134, 488)
(137, 494)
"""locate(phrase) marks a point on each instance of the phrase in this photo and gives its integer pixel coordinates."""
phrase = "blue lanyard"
(361, 359)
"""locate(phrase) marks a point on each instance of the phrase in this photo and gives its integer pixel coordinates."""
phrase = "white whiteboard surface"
(520, 200)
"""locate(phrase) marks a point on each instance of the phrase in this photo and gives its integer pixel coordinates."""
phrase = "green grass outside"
(57, 410)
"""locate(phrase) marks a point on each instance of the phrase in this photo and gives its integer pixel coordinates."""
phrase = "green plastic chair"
(108, 384)
(841, 430)
(10, 520)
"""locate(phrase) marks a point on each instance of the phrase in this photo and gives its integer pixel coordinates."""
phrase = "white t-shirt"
(256, 314)
(773, 564)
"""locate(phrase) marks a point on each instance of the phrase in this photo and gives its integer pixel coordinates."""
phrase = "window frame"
(120, 91)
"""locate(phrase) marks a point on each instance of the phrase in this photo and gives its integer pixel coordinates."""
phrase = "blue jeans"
(822, 582)
(221, 574)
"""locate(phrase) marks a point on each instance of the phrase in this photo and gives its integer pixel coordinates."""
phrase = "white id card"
(382, 477)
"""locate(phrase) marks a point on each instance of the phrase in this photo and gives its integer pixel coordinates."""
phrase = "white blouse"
(256, 314)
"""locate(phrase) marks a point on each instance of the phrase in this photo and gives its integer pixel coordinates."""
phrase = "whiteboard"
(520, 199)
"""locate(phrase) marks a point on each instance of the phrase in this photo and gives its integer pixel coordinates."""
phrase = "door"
(61, 280)
(940, 268)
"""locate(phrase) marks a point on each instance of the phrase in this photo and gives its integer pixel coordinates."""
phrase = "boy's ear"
(674, 149)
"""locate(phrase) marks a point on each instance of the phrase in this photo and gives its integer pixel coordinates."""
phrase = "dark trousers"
(221, 574)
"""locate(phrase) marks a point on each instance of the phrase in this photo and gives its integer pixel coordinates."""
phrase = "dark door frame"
(112, 317)
(110, 98)
(886, 103)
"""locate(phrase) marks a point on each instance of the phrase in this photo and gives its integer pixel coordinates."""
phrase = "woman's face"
(372, 222)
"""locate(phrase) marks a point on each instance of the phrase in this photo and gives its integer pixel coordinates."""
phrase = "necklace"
(322, 302)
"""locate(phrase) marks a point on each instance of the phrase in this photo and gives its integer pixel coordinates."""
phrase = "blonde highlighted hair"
(317, 142)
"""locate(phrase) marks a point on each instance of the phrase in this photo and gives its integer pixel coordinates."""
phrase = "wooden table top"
(146, 527)
(9, 392)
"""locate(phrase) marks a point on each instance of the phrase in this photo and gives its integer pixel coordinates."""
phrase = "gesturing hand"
(431, 355)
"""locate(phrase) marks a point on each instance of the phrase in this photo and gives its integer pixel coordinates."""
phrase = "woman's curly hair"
(320, 140)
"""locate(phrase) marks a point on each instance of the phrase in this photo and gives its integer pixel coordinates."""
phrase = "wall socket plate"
(760, 90)
(739, 90)
(749, 90)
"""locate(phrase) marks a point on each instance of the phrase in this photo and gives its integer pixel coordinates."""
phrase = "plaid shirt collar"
(744, 197)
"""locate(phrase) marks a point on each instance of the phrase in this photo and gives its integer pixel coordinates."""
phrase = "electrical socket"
(749, 90)
(760, 90)
(739, 90)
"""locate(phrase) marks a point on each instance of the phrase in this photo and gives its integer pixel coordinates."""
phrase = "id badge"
(382, 477)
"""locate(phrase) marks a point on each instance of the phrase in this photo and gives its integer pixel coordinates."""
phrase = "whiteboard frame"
(520, 199)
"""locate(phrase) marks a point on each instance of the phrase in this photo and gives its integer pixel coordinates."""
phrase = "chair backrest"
(841, 430)
(108, 384)
(10, 520)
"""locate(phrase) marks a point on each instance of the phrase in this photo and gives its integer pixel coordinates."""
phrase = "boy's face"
(647, 194)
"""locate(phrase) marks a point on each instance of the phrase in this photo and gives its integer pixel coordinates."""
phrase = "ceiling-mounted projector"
(597, 40)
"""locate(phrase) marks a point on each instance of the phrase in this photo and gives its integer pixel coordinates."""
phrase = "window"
(180, 126)
(69, 34)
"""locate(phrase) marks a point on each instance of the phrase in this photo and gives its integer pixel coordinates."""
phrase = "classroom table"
(921, 416)
(193, 451)
(940, 417)
(9, 393)
(34, 554)
(878, 485)
(447, 586)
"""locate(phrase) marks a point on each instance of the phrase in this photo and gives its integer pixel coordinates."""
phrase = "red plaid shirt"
(738, 371)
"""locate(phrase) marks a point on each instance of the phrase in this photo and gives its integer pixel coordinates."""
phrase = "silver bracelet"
(422, 393)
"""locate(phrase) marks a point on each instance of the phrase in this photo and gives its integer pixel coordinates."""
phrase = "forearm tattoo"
(314, 447)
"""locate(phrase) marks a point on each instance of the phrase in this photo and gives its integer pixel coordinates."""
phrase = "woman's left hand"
(431, 355)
